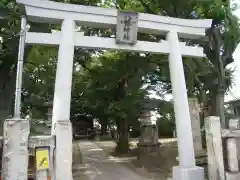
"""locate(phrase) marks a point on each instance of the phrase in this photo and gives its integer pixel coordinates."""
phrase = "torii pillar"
(61, 125)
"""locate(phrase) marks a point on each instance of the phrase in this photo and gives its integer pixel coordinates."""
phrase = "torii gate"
(69, 15)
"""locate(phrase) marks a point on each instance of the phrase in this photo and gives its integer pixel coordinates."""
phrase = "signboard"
(42, 158)
(127, 27)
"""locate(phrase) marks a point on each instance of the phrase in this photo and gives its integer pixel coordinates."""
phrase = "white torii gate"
(69, 16)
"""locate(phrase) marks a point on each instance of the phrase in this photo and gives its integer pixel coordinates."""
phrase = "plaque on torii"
(127, 27)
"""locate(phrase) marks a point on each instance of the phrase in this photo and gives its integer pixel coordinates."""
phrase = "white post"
(61, 125)
(16, 130)
(187, 169)
(17, 106)
(63, 84)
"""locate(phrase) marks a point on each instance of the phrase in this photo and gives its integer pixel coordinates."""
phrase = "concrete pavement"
(98, 165)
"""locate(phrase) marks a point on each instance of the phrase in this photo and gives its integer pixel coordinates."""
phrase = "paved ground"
(97, 165)
(78, 168)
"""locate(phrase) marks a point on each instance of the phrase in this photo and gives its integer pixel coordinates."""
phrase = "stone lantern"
(148, 143)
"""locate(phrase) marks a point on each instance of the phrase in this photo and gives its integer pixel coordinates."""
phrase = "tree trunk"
(123, 141)
(220, 108)
(216, 104)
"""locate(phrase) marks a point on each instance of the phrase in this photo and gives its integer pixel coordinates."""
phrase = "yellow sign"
(42, 158)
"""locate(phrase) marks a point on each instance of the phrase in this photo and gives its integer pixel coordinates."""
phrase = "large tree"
(109, 89)
(107, 85)
(206, 78)
(9, 40)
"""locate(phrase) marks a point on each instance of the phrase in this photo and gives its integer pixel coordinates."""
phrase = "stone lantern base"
(148, 145)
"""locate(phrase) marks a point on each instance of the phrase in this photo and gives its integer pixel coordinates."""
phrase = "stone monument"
(194, 110)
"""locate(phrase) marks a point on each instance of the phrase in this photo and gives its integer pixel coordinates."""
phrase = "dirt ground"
(157, 167)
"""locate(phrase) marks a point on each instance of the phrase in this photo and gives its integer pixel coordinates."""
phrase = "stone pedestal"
(196, 173)
(145, 150)
(148, 143)
(63, 151)
(15, 149)
(97, 137)
(42, 175)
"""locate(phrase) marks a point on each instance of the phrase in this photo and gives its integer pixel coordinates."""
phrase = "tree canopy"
(112, 86)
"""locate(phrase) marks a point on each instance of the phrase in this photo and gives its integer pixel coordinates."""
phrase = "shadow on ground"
(78, 168)
(154, 167)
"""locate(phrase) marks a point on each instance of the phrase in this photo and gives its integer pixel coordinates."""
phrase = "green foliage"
(81, 2)
(39, 78)
(166, 123)
(34, 92)
(8, 32)
(202, 75)
(108, 85)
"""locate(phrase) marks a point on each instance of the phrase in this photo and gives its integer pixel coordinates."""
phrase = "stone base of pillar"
(63, 151)
(196, 173)
(201, 160)
(15, 149)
